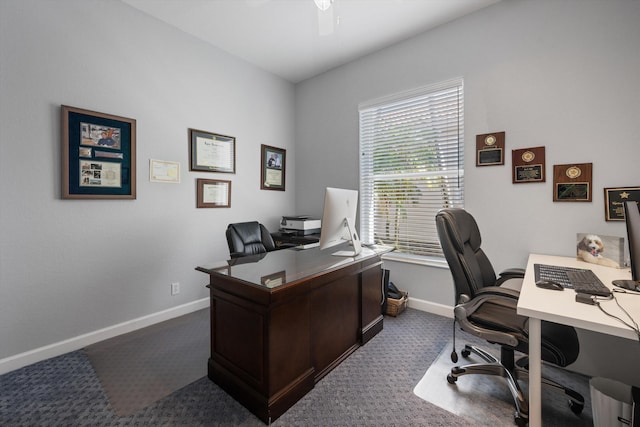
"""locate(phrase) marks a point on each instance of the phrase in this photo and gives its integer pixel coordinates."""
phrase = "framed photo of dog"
(602, 250)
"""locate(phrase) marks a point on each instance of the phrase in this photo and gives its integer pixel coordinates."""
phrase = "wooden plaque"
(490, 149)
(572, 183)
(528, 165)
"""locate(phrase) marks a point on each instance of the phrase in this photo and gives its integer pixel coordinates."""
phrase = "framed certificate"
(211, 152)
(273, 168)
(163, 171)
(213, 193)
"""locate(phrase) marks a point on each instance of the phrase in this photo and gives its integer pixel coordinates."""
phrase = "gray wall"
(561, 74)
(72, 267)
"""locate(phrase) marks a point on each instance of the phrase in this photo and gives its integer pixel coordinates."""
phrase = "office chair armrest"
(491, 294)
(509, 274)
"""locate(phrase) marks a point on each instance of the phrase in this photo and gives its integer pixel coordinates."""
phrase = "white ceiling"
(283, 36)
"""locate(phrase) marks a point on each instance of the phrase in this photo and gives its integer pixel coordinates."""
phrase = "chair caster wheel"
(451, 379)
(465, 353)
(520, 421)
(576, 407)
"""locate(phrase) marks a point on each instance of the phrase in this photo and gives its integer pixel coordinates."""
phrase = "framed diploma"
(163, 171)
(614, 199)
(528, 165)
(572, 183)
(273, 168)
(490, 149)
(98, 155)
(212, 152)
(213, 193)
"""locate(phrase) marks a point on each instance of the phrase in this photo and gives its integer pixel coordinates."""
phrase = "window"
(411, 166)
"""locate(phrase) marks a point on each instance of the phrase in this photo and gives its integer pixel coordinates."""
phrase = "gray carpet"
(372, 387)
(142, 367)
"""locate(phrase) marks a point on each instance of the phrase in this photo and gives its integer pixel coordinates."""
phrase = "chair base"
(512, 372)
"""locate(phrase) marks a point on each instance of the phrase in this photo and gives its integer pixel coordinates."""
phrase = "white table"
(561, 307)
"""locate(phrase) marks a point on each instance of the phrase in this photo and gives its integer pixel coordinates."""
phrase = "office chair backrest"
(460, 240)
(248, 238)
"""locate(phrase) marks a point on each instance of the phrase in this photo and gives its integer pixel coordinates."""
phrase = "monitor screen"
(339, 219)
(632, 220)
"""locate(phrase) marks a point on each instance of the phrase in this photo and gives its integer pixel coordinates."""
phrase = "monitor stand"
(630, 285)
(355, 241)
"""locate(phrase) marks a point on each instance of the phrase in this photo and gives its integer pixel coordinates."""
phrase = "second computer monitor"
(339, 219)
(632, 220)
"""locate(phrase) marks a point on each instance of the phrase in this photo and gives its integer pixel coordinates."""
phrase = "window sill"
(415, 259)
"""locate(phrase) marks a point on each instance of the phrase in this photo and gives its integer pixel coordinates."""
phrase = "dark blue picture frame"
(98, 155)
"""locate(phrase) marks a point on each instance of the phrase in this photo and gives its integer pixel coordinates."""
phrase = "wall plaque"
(490, 149)
(614, 199)
(528, 165)
(572, 183)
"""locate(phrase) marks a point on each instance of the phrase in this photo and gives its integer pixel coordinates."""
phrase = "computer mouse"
(549, 284)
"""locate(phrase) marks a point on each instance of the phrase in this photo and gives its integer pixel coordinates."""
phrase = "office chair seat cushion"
(560, 344)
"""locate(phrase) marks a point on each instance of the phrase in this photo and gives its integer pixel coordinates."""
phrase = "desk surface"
(279, 268)
(561, 306)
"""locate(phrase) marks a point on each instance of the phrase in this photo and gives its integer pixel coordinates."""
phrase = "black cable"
(633, 327)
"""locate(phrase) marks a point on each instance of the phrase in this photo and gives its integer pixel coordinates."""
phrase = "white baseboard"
(56, 349)
(72, 344)
(431, 307)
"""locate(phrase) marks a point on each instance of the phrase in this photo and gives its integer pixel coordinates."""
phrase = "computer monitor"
(339, 219)
(632, 219)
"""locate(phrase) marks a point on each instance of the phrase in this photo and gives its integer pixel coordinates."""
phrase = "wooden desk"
(561, 307)
(282, 322)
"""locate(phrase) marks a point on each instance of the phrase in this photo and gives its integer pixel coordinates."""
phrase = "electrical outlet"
(175, 288)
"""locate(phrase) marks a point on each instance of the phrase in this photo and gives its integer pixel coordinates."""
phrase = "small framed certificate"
(213, 193)
(163, 171)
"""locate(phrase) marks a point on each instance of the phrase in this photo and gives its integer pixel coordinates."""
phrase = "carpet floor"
(139, 368)
(372, 387)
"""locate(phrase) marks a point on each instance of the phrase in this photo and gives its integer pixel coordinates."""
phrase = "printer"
(300, 225)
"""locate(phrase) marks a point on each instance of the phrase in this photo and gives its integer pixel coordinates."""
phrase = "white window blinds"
(411, 166)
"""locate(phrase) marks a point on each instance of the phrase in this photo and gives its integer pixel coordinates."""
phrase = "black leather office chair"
(248, 238)
(486, 308)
